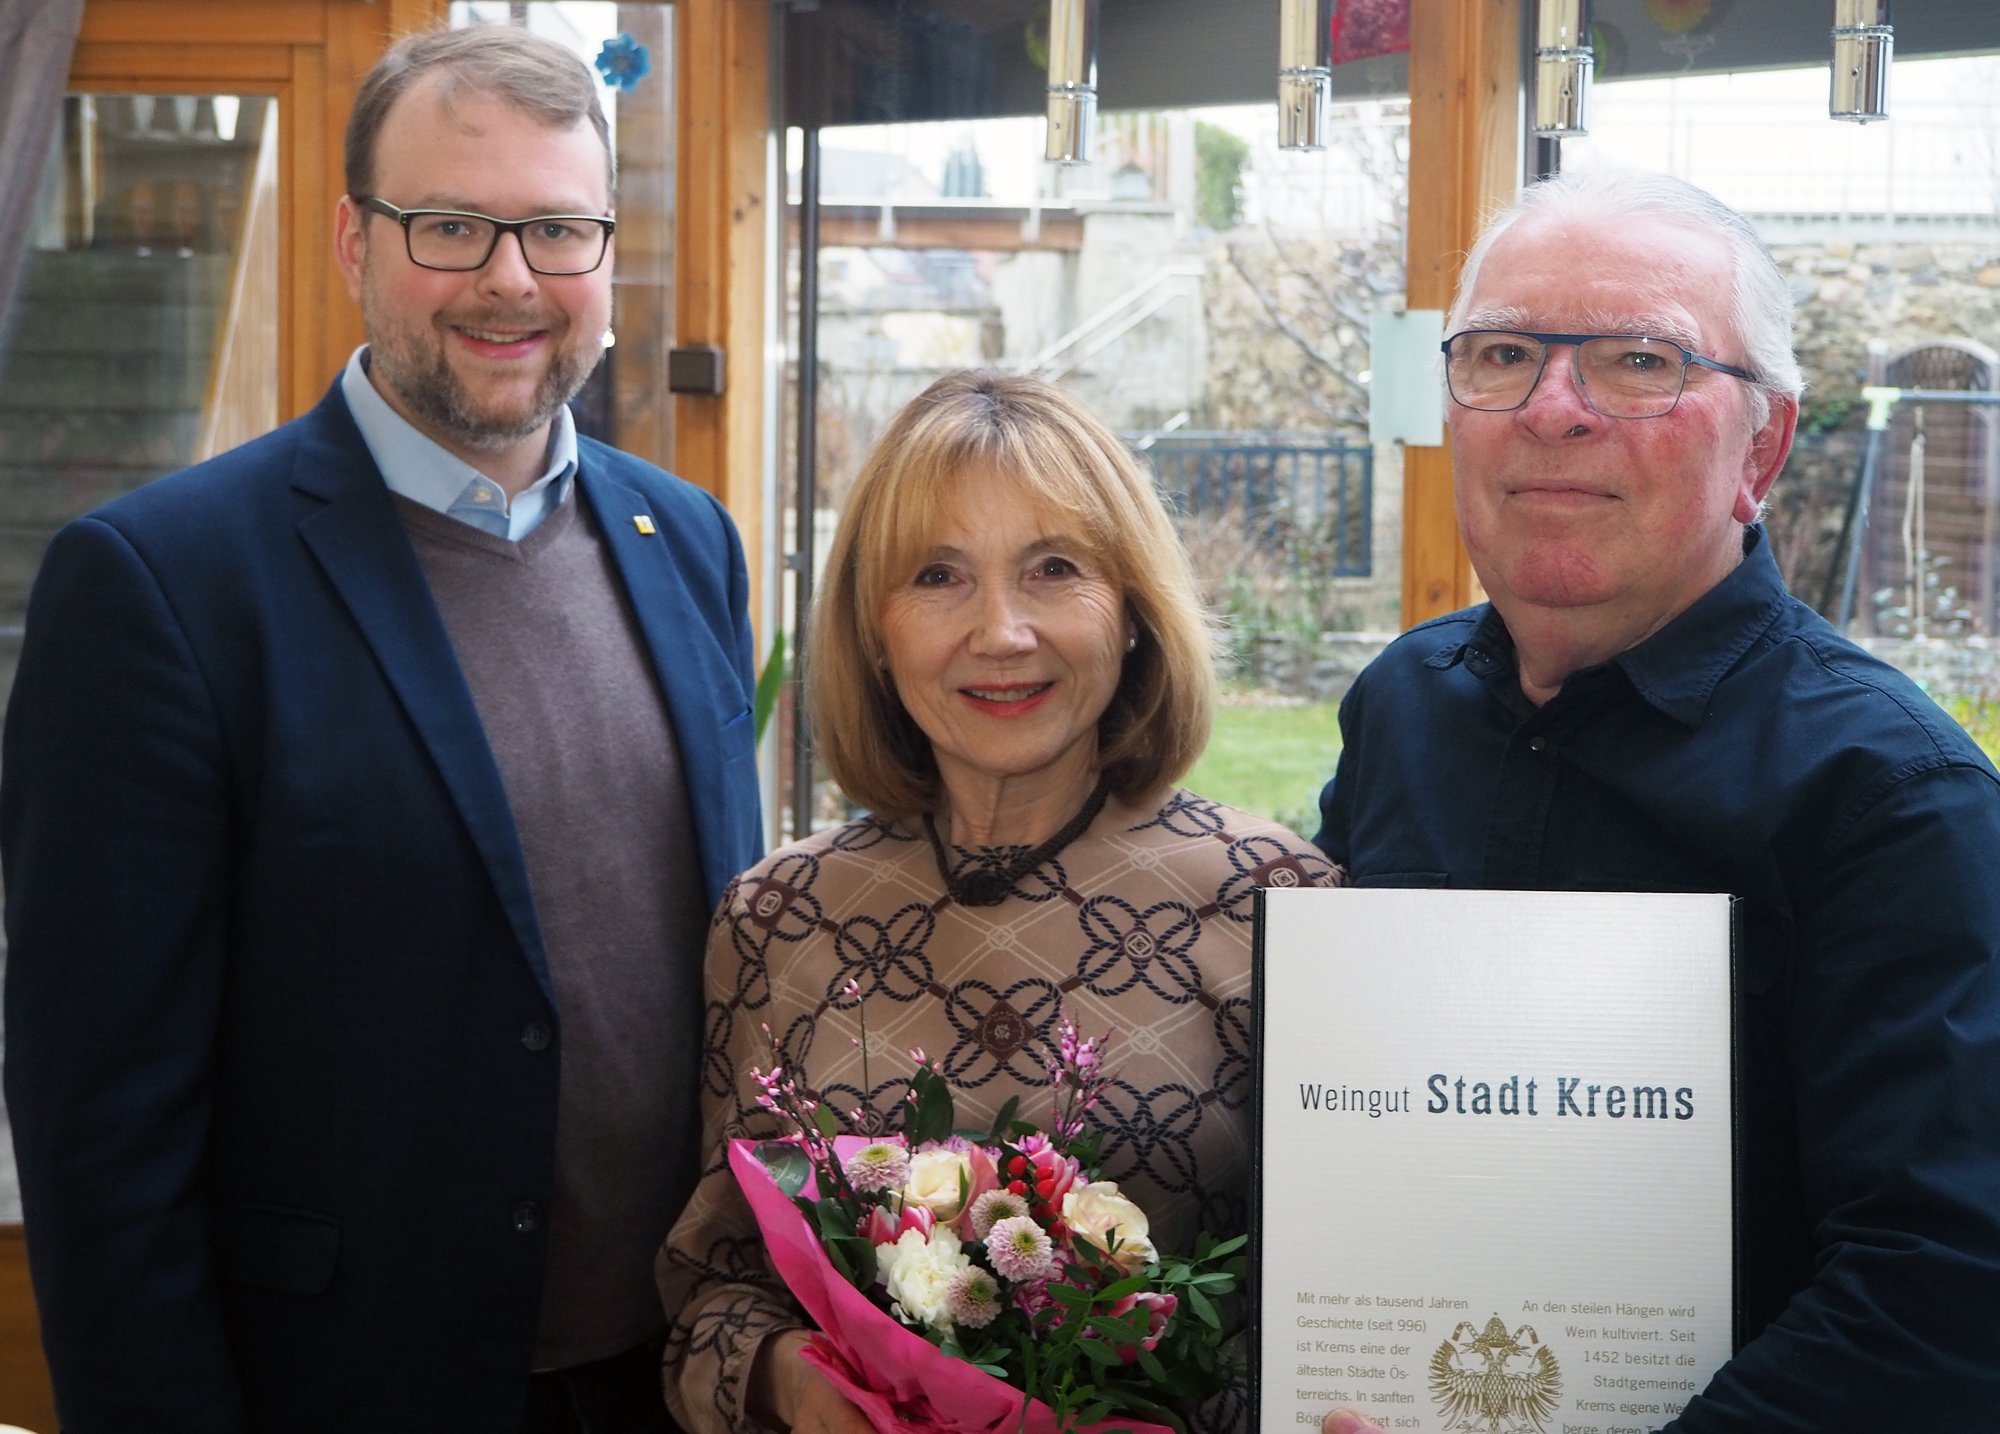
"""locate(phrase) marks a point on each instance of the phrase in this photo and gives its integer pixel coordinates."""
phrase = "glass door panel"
(630, 46)
(142, 334)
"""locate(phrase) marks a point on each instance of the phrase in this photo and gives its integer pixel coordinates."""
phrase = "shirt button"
(1538, 744)
(481, 495)
(536, 1035)
(527, 1217)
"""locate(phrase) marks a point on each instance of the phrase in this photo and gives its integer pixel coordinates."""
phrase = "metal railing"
(1302, 493)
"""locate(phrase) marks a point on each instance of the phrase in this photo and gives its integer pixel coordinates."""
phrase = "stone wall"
(1904, 294)
(1899, 295)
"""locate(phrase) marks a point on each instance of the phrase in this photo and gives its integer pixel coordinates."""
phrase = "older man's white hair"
(1762, 312)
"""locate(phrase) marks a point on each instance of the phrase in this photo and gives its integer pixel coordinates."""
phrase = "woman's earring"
(1132, 642)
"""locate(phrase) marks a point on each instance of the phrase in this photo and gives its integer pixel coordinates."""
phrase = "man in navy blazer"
(366, 793)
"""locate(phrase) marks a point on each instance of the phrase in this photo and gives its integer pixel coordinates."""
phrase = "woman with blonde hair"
(1010, 670)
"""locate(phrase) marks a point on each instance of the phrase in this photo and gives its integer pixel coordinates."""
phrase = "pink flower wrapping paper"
(900, 1380)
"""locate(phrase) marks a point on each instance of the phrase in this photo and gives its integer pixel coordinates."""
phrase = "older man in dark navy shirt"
(1642, 706)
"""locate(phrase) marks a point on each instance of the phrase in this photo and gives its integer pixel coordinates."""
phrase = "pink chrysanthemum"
(993, 1207)
(878, 1165)
(1020, 1249)
(974, 1298)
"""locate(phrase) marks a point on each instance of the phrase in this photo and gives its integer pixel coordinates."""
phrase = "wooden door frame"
(308, 54)
(1465, 161)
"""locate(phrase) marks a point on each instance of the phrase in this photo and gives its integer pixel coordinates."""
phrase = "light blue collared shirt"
(415, 465)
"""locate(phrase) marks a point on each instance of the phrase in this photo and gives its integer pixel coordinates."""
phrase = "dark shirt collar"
(1676, 669)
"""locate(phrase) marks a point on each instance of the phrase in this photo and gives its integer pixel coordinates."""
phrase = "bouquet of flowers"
(985, 1281)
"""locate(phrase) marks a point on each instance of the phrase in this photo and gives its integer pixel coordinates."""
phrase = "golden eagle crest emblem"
(1487, 1381)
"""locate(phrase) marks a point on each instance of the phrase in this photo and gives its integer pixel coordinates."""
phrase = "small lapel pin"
(644, 524)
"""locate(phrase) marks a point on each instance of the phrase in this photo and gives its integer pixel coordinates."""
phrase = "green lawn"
(1271, 760)
(1981, 719)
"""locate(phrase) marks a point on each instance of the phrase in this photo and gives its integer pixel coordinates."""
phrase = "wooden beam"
(109, 65)
(267, 22)
(1465, 128)
(722, 80)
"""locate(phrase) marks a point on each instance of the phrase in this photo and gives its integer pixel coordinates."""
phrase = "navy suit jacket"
(276, 997)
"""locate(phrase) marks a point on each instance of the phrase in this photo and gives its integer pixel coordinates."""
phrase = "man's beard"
(424, 379)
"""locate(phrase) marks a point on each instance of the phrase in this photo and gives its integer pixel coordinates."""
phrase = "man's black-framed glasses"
(457, 240)
(1620, 375)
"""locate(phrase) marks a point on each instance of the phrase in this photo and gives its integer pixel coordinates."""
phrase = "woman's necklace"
(989, 885)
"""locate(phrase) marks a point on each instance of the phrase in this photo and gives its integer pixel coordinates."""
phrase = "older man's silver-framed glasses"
(457, 240)
(1619, 375)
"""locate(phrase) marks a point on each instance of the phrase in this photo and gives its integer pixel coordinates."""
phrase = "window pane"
(626, 401)
(142, 333)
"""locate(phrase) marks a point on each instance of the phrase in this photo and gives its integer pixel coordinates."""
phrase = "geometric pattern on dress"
(1142, 930)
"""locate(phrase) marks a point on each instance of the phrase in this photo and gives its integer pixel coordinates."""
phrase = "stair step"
(55, 443)
(114, 276)
(181, 333)
(34, 497)
(83, 382)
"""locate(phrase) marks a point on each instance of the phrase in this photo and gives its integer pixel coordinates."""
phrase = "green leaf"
(933, 1113)
(864, 1264)
(1203, 1307)
(1227, 1247)
(1150, 1362)
(772, 678)
(1151, 1410)
(843, 1262)
(834, 1224)
(1003, 1122)
(827, 1123)
(787, 1163)
(1098, 1352)
(1130, 1285)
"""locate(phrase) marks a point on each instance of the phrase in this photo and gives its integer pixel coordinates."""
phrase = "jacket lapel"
(703, 693)
(366, 554)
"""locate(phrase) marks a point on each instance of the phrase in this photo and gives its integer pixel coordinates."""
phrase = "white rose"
(1096, 1211)
(937, 1180)
(920, 1276)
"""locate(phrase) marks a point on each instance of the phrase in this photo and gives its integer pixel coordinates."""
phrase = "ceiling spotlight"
(1863, 41)
(1305, 72)
(1072, 80)
(1563, 63)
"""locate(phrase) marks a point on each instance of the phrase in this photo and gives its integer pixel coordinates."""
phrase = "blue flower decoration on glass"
(623, 62)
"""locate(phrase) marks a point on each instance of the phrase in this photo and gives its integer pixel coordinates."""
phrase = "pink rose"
(882, 1227)
(1049, 1173)
(1159, 1312)
(985, 1176)
(1032, 1298)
